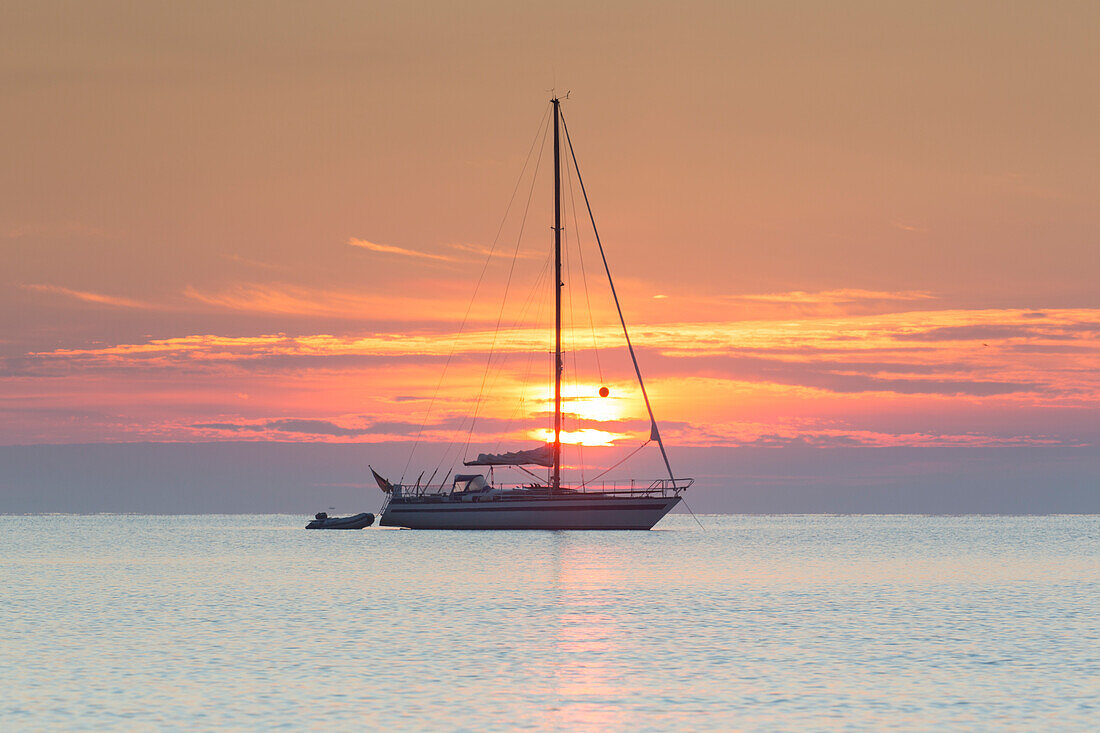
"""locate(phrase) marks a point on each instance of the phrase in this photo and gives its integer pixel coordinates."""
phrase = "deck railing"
(662, 486)
(624, 487)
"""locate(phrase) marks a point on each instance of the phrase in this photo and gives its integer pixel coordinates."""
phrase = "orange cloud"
(391, 249)
(486, 251)
(300, 301)
(846, 295)
(768, 306)
(948, 377)
(90, 297)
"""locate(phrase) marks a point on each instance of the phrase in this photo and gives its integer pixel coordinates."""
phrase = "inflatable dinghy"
(323, 521)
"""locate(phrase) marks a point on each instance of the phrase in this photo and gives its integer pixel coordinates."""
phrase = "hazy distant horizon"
(271, 477)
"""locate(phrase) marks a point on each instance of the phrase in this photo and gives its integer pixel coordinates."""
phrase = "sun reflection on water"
(584, 681)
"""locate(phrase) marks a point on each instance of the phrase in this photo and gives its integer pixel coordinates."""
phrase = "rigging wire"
(619, 463)
(584, 274)
(500, 367)
(572, 338)
(497, 370)
(530, 354)
(545, 124)
(472, 418)
(504, 298)
(688, 507)
(501, 361)
(654, 432)
(517, 326)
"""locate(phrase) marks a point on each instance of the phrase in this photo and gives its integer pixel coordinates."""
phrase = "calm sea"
(756, 623)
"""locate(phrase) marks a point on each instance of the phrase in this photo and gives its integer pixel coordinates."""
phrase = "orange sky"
(835, 223)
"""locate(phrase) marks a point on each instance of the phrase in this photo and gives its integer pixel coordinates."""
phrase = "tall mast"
(556, 482)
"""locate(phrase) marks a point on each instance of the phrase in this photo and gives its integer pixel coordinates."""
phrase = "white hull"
(564, 512)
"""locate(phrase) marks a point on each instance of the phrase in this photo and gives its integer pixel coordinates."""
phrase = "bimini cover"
(541, 456)
(470, 482)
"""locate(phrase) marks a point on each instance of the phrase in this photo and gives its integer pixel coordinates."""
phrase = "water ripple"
(758, 623)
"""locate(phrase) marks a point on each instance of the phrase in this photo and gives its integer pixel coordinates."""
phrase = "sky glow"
(866, 225)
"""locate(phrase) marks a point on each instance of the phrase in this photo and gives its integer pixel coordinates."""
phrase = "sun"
(583, 401)
(584, 436)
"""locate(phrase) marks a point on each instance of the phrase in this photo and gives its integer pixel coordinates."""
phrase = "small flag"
(383, 484)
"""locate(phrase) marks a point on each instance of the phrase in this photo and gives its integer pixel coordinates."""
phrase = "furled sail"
(541, 456)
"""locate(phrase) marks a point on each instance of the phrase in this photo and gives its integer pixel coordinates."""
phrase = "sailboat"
(474, 501)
